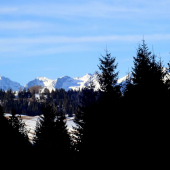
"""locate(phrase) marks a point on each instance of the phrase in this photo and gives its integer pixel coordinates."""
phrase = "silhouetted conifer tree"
(51, 139)
(84, 133)
(108, 78)
(148, 78)
(20, 133)
(14, 143)
(5, 131)
(147, 100)
(6, 141)
(108, 108)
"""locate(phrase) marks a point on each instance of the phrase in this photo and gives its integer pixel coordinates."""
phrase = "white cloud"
(45, 46)
(20, 25)
(8, 10)
(84, 39)
(64, 10)
(115, 9)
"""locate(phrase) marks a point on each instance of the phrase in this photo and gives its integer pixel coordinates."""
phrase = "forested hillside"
(26, 102)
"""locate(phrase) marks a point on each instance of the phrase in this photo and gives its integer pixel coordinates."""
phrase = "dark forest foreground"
(112, 128)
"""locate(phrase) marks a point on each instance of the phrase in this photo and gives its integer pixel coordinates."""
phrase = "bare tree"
(35, 89)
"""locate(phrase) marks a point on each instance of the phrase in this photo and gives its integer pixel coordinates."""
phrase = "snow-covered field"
(30, 122)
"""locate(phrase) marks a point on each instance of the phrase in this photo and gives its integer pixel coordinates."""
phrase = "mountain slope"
(64, 82)
(67, 82)
(6, 84)
(39, 81)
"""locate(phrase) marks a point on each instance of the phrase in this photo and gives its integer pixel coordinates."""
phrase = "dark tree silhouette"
(105, 124)
(108, 78)
(51, 136)
(145, 104)
(20, 133)
(6, 141)
(148, 78)
(84, 133)
(5, 130)
(14, 142)
(109, 95)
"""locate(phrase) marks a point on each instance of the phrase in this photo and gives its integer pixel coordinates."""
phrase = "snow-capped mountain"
(40, 81)
(6, 84)
(67, 82)
(122, 81)
(85, 80)
(64, 82)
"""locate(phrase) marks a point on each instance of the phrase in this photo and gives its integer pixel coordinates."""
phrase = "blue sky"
(57, 38)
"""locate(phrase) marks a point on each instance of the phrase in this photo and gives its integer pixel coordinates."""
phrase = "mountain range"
(65, 82)
(6, 83)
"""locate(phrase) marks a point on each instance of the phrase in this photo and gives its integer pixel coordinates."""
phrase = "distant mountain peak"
(64, 82)
(42, 78)
(65, 77)
(89, 74)
(6, 84)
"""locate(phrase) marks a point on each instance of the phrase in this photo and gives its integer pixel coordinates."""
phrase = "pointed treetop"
(108, 78)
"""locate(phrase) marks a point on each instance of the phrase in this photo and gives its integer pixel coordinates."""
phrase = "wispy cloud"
(33, 51)
(46, 51)
(84, 39)
(45, 46)
(90, 9)
(8, 10)
(57, 10)
(19, 25)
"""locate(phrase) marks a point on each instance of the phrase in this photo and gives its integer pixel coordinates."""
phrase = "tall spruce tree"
(108, 78)
(110, 90)
(84, 133)
(147, 98)
(15, 144)
(51, 136)
(20, 133)
(5, 133)
(7, 141)
(141, 65)
(158, 109)
(148, 78)
(107, 109)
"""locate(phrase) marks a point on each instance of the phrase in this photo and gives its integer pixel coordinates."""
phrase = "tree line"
(111, 127)
(27, 104)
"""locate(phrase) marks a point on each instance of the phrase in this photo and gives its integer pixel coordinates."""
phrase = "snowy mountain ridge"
(64, 82)
(6, 83)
